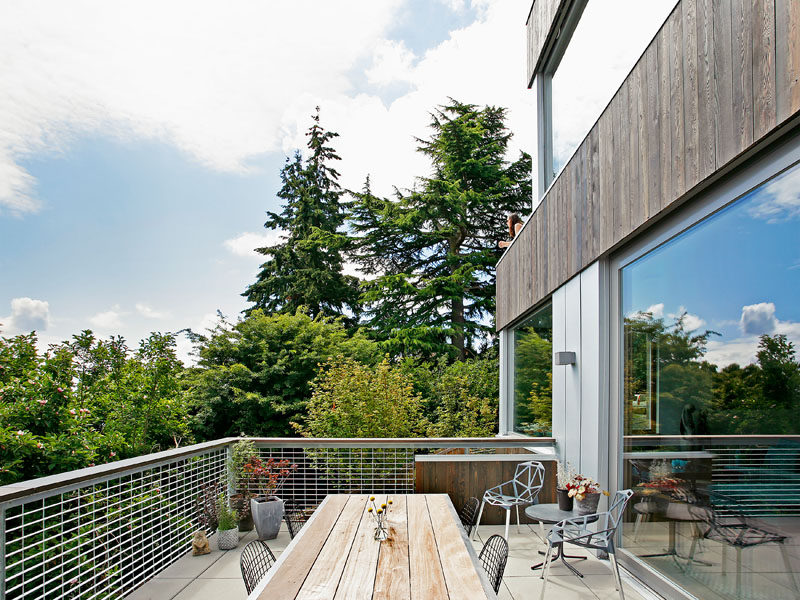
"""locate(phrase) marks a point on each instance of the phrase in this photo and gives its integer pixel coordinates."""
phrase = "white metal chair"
(576, 531)
(522, 490)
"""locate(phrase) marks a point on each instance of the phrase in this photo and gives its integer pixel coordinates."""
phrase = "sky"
(756, 291)
(141, 143)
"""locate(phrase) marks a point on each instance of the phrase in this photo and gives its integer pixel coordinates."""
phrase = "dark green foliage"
(305, 269)
(434, 249)
(253, 377)
(86, 401)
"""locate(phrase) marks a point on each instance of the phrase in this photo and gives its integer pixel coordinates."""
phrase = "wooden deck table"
(335, 556)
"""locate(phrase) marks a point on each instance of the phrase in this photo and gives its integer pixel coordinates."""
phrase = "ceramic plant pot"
(227, 539)
(267, 515)
(588, 505)
(564, 499)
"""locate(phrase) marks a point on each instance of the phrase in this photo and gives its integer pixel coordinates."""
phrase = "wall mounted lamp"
(565, 358)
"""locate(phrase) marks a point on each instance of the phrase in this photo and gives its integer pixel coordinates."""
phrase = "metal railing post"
(3, 570)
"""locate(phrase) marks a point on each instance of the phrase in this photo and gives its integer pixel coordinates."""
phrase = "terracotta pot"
(564, 499)
(267, 515)
(227, 539)
(588, 505)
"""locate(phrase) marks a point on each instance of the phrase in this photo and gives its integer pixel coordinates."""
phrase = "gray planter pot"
(227, 539)
(267, 516)
(588, 505)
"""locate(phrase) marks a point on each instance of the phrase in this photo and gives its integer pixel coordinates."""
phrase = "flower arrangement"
(565, 473)
(265, 478)
(579, 487)
(380, 513)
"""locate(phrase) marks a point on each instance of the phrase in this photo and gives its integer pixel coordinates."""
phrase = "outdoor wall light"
(565, 358)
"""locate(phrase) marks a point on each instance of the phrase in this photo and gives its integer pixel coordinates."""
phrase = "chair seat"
(498, 499)
(744, 536)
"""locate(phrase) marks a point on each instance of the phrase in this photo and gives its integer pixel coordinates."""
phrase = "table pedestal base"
(559, 554)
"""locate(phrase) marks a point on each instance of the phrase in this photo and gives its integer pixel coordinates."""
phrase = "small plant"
(380, 513)
(565, 473)
(264, 478)
(579, 487)
(226, 516)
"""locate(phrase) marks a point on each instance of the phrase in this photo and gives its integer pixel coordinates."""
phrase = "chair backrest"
(294, 517)
(528, 480)
(469, 514)
(255, 561)
(493, 557)
(617, 507)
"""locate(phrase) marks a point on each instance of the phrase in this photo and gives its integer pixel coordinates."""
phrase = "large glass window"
(533, 374)
(711, 398)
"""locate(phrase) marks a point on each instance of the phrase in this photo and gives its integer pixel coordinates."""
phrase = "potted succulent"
(264, 479)
(227, 532)
(586, 492)
(564, 474)
(241, 453)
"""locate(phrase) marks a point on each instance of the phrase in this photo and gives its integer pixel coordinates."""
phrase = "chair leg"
(789, 571)
(518, 529)
(738, 572)
(508, 520)
(612, 556)
(477, 522)
(724, 558)
(546, 569)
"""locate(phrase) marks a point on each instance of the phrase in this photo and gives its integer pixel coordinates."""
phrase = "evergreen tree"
(434, 249)
(305, 268)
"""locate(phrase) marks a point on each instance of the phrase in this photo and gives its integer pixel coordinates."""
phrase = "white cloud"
(779, 200)
(227, 81)
(27, 314)
(758, 319)
(245, 244)
(690, 322)
(108, 320)
(149, 312)
(657, 310)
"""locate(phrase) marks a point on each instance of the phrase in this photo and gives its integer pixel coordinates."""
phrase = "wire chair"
(255, 561)
(493, 557)
(576, 531)
(469, 514)
(522, 490)
(726, 524)
(294, 517)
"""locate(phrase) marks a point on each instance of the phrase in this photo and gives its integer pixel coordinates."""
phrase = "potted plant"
(264, 479)
(564, 474)
(241, 453)
(227, 532)
(586, 492)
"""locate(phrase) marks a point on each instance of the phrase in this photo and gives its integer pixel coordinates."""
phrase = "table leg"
(559, 554)
(672, 548)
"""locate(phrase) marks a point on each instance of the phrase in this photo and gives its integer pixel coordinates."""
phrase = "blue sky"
(756, 293)
(141, 144)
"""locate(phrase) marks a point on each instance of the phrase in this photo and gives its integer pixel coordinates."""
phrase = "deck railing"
(102, 531)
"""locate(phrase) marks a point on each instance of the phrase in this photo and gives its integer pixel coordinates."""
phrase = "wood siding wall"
(540, 30)
(718, 77)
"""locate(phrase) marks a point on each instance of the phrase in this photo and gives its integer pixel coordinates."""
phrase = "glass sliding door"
(710, 336)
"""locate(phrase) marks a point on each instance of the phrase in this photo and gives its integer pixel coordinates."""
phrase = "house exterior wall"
(717, 83)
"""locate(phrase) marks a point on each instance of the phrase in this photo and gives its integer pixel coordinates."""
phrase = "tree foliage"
(433, 250)
(86, 401)
(305, 268)
(253, 376)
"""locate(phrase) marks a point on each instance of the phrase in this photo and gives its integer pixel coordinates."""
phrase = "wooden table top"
(427, 555)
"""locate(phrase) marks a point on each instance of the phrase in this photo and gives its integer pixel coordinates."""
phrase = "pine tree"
(305, 268)
(434, 249)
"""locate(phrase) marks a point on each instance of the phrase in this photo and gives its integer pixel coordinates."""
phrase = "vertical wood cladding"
(719, 76)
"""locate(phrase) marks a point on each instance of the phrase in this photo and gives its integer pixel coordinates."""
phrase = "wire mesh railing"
(103, 531)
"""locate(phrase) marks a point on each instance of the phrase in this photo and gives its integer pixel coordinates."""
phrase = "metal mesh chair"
(522, 490)
(469, 514)
(294, 517)
(255, 561)
(576, 531)
(724, 523)
(493, 557)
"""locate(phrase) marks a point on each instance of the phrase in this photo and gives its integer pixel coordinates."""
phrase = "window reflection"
(711, 397)
(533, 374)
